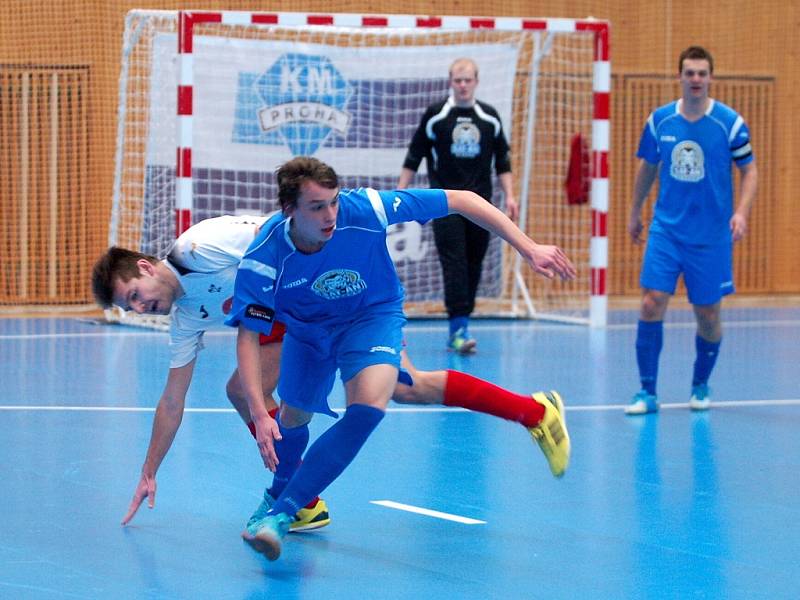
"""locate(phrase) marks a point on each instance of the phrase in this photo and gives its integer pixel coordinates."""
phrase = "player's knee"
(291, 417)
(233, 391)
(653, 306)
(419, 393)
(709, 324)
(404, 394)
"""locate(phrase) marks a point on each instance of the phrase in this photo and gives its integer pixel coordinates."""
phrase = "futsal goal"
(211, 103)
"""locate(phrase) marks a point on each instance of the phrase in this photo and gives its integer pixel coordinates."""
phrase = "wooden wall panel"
(645, 38)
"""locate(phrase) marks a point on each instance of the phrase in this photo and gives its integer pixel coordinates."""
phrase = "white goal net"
(256, 90)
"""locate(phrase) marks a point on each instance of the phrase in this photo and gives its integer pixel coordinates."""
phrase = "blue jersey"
(695, 197)
(351, 274)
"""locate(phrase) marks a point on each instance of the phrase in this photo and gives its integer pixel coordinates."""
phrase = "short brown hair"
(116, 264)
(696, 53)
(294, 173)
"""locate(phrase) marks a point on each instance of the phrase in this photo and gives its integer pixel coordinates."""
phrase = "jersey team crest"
(466, 140)
(687, 162)
(299, 101)
(339, 283)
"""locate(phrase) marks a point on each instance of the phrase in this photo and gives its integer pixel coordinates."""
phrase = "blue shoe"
(265, 536)
(306, 519)
(262, 509)
(701, 397)
(460, 343)
(642, 404)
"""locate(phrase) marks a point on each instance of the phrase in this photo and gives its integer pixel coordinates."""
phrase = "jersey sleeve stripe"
(377, 207)
(652, 125)
(248, 264)
(737, 125)
(435, 119)
(488, 118)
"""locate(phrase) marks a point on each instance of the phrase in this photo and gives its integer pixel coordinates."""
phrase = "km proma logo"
(299, 100)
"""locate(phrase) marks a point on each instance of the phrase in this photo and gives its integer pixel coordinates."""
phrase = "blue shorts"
(308, 365)
(707, 270)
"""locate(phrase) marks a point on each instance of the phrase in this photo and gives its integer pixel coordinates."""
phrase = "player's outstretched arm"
(248, 355)
(166, 422)
(545, 259)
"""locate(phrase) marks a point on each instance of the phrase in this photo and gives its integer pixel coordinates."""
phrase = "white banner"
(258, 103)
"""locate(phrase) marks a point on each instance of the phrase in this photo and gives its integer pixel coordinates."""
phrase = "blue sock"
(649, 339)
(328, 457)
(706, 359)
(289, 450)
(457, 323)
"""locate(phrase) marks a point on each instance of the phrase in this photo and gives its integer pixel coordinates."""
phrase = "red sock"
(476, 394)
(252, 426)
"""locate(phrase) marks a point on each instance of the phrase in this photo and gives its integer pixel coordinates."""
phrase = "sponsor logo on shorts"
(260, 313)
(387, 349)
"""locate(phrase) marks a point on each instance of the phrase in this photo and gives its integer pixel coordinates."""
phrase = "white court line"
(86, 334)
(407, 409)
(411, 327)
(428, 512)
(671, 405)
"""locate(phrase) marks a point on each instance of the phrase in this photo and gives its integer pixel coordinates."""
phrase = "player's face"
(695, 78)
(314, 217)
(145, 294)
(463, 82)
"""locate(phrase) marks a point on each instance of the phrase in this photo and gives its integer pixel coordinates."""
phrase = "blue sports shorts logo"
(298, 101)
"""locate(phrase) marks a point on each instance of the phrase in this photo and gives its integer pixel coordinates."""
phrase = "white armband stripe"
(377, 207)
(248, 264)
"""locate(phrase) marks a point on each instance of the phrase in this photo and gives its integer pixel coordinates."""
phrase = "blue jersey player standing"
(690, 144)
(323, 268)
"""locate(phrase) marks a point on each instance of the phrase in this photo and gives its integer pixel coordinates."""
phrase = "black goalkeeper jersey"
(460, 145)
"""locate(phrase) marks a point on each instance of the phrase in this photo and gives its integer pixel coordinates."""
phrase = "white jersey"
(205, 259)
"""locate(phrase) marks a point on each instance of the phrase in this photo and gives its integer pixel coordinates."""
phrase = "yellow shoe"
(461, 344)
(307, 519)
(551, 433)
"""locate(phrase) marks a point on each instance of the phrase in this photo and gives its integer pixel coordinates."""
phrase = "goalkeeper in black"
(461, 138)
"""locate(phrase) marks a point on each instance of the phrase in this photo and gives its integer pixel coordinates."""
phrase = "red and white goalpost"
(255, 89)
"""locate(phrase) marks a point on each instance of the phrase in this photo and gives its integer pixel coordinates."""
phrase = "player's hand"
(635, 228)
(738, 225)
(512, 208)
(145, 489)
(267, 433)
(551, 261)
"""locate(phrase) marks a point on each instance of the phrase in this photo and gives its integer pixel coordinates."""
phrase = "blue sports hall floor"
(673, 505)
